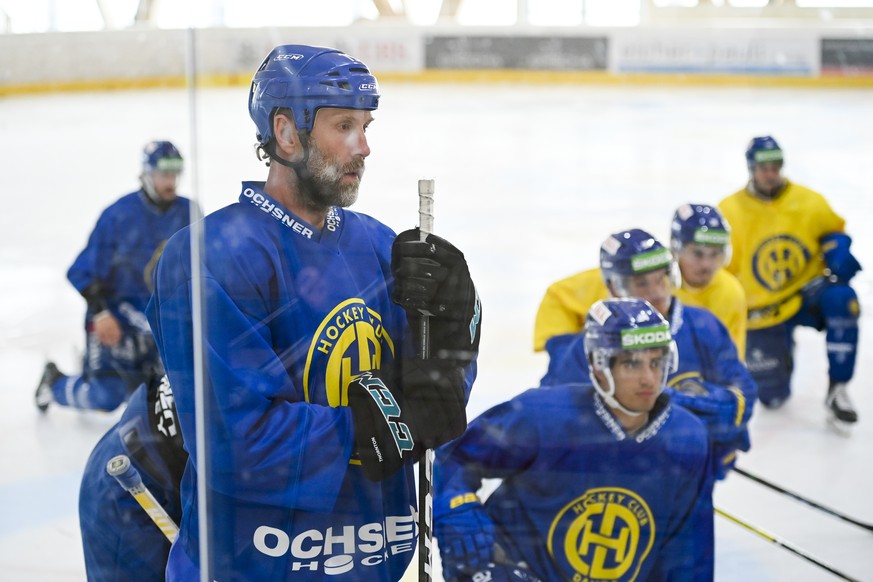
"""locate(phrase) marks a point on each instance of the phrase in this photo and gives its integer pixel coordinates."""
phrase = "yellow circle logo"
(351, 341)
(778, 260)
(603, 535)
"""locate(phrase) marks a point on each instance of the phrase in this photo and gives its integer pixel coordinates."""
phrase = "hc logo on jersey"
(778, 261)
(605, 534)
(349, 342)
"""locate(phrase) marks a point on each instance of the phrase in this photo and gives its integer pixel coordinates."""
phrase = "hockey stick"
(128, 477)
(798, 497)
(425, 465)
(783, 544)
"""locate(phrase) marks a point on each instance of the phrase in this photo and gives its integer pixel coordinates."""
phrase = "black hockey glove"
(95, 296)
(394, 425)
(432, 276)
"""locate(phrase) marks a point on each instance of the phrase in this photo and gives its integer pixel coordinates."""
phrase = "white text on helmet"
(639, 338)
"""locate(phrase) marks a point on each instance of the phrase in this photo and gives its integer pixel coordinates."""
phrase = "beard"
(324, 187)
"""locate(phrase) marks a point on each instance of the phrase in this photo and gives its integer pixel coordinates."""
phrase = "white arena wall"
(751, 52)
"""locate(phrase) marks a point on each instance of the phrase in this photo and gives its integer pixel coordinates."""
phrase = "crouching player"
(601, 480)
(710, 380)
(119, 538)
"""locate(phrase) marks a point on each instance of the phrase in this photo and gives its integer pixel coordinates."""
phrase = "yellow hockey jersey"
(565, 305)
(776, 249)
(724, 296)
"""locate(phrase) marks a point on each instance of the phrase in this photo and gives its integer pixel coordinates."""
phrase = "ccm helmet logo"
(288, 57)
(367, 86)
(653, 338)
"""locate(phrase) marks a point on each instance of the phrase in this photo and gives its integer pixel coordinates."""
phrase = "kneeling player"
(605, 480)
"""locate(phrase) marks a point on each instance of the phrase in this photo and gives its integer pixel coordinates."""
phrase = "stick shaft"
(798, 497)
(783, 544)
(425, 465)
(129, 479)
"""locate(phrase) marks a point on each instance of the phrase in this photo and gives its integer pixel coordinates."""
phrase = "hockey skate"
(839, 405)
(43, 396)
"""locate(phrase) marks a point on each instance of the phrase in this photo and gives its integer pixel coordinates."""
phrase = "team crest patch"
(349, 342)
(778, 261)
(605, 534)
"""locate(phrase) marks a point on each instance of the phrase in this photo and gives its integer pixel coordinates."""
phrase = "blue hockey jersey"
(291, 315)
(580, 498)
(706, 352)
(123, 246)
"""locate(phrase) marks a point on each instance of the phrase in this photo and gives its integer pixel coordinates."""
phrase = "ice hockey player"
(710, 381)
(114, 275)
(700, 241)
(120, 540)
(316, 402)
(601, 480)
(793, 258)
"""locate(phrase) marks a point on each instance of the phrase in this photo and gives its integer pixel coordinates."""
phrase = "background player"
(791, 254)
(120, 540)
(601, 480)
(700, 241)
(711, 381)
(114, 275)
(316, 401)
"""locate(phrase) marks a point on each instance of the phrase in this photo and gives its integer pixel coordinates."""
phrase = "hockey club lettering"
(340, 549)
(350, 341)
(649, 337)
(270, 207)
(605, 534)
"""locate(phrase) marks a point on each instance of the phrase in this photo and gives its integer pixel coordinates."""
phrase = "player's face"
(699, 263)
(654, 287)
(767, 177)
(338, 146)
(165, 184)
(639, 377)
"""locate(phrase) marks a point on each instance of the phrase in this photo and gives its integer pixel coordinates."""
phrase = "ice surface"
(529, 180)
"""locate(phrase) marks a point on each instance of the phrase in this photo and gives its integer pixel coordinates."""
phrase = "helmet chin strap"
(300, 167)
(609, 396)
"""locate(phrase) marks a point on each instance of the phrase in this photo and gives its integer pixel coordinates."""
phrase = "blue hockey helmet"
(624, 324)
(161, 156)
(761, 150)
(701, 224)
(304, 79)
(633, 252)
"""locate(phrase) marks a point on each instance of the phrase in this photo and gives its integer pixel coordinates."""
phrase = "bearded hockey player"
(793, 257)
(316, 404)
(601, 480)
